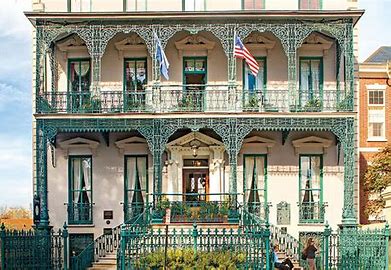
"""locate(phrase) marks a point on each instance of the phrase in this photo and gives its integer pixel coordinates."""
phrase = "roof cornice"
(210, 16)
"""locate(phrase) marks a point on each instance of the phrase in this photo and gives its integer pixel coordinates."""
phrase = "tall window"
(79, 80)
(136, 185)
(135, 5)
(135, 75)
(193, 5)
(310, 181)
(253, 4)
(310, 4)
(251, 82)
(80, 190)
(254, 86)
(79, 5)
(255, 188)
(194, 78)
(376, 115)
(311, 80)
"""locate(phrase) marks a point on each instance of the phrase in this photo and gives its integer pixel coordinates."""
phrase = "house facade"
(112, 135)
(375, 111)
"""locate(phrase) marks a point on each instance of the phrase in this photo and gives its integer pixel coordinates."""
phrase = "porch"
(175, 98)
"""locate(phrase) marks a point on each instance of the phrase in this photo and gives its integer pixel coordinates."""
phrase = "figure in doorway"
(310, 251)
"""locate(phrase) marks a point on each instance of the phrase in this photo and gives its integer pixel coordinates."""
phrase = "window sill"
(317, 224)
(377, 139)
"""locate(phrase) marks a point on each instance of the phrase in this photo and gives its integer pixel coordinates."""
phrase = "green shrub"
(187, 259)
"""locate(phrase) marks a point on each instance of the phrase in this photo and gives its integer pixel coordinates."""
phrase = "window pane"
(136, 5)
(310, 178)
(253, 4)
(255, 83)
(200, 65)
(130, 75)
(80, 75)
(80, 190)
(141, 74)
(194, 5)
(189, 65)
(81, 5)
(309, 4)
(376, 97)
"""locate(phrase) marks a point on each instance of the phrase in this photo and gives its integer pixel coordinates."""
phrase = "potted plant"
(253, 103)
(313, 105)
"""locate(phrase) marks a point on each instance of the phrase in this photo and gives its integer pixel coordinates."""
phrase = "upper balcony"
(90, 66)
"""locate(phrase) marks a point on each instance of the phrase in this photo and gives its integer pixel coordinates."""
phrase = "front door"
(195, 185)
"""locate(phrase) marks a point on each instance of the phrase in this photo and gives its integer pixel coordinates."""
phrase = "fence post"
(123, 247)
(2, 246)
(267, 243)
(65, 239)
(326, 236)
(387, 236)
(195, 235)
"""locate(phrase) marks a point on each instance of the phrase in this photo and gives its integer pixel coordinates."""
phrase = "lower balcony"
(80, 213)
(192, 98)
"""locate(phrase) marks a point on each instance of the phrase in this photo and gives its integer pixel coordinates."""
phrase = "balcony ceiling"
(151, 17)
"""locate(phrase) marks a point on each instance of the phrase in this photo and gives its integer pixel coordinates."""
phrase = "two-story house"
(111, 135)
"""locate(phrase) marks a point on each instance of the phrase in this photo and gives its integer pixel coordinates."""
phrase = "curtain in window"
(252, 82)
(87, 178)
(131, 178)
(76, 178)
(310, 79)
(142, 172)
(305, 76)
(260, 178)
(249, 173)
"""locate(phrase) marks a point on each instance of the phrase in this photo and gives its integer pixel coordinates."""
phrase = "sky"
(15, 89)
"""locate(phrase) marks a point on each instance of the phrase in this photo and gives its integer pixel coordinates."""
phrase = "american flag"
(242, 52)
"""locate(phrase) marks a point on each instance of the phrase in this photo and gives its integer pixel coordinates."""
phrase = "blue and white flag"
(161, 57)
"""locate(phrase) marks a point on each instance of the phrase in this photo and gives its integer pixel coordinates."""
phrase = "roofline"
(158, 16)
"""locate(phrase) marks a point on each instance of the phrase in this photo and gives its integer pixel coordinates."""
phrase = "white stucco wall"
(108, 179)
(112, 66)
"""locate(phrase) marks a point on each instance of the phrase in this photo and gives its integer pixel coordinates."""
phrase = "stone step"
(107, 262)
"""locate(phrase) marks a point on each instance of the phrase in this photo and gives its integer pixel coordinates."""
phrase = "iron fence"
(33, 249)
(251, 240)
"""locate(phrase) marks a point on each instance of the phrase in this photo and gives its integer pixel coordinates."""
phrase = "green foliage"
(253, 103)
(189, 259)
(377, 179)
(92, 105)
(313, 105)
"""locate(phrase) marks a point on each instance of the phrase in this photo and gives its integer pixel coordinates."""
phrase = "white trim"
(377, 139)
(376, 86)
(369, 149)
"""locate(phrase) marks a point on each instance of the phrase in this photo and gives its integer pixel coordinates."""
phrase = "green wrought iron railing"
(106, 243)
(192, 98)
(195, 207)
(312, 212)
(251, 239)
(33, 249)
(80, 213)
(287, 243)
(260, 209)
